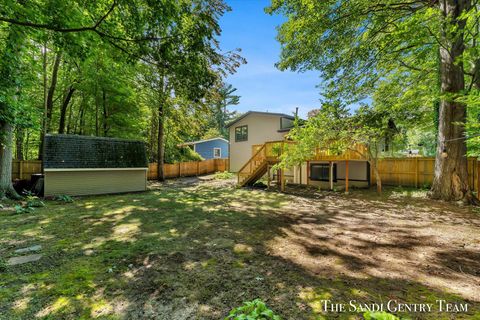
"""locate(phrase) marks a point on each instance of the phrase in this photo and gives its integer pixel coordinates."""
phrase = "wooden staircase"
(258, 165)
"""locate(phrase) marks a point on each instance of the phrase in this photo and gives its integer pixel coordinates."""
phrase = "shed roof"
(201, 141)
(74, 151)
(260, 113)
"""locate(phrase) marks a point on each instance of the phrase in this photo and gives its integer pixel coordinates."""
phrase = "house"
(214, 148)
(257, 140)
(81, 165)
(253, 129)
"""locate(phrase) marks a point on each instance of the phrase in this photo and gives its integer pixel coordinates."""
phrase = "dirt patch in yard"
(196, 248)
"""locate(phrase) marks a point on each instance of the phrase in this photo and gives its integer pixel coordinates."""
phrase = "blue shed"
(215, 148)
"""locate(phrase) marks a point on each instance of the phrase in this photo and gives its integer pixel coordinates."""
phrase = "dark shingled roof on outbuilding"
(73, 151)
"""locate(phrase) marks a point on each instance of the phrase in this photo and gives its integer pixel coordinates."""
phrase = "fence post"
(198, 167)
(179, 170)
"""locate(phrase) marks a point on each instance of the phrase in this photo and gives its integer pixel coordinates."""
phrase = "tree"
(360, 45)
(189, 65)
(223, 98)
(334, 129)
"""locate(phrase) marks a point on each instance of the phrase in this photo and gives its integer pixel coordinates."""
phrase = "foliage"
(225, 175)
(379, 316)
(33, 201)
(3, 265)
(419, 56)
(110, 56)
(184, 154)
(252, 310)
(19, 209)
(211, 133)
(63, 198)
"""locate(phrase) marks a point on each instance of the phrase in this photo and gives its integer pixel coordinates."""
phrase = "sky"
(259, 84)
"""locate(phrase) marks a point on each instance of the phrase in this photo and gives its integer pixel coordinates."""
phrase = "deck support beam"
(268, 176)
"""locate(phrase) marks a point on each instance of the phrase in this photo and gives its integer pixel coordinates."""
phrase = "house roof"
(64, 151)
(201, 141)
(260, 113)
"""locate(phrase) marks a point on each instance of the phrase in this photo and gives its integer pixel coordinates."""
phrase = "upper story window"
(241, 133)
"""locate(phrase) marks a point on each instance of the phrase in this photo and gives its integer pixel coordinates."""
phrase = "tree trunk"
(19, 136)
(49, 102)
(450, 182)
(6, 187)
(161, 142)
(105, 113)
(64, 108)
(378, 178)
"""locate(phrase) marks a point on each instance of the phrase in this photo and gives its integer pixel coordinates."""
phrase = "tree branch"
(59, 29)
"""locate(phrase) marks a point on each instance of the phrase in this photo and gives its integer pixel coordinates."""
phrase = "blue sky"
(261, 86)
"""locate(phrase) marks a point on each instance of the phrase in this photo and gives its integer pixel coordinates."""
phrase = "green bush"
(379, 316)
(3, 265)
(224, 175)
(23, 209)
(252, 310)
(63, 198)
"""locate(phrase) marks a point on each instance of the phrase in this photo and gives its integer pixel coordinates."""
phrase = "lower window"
(321, 172)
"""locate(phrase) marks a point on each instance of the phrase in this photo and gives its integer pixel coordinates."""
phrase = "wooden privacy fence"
(413, 172)
(186, 169)
(417, 171)
(23, 169)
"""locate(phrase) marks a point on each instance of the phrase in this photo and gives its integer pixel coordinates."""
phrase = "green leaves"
(252, 310)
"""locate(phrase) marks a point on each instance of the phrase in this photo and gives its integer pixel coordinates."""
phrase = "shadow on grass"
(195, 252)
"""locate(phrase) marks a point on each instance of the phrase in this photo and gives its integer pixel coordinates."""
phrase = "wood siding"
(76, 183)
(187, 169)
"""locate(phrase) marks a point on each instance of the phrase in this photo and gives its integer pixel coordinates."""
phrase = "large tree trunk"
(161, 142)
(49, 102)
(6, 187)
(64, 108)
(19, 136)
(451, 177)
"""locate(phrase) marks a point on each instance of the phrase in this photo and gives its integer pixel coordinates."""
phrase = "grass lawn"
(195, 251)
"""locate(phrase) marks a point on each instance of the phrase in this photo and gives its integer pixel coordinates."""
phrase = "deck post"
(308, 173)
(282, 180)
(346, 176)
(330, 176)
(268, 176)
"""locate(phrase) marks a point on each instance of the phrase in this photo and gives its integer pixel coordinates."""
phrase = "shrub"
(224, 175)
(63, 198)
(32, 200)
(3, 265)
(379, 316)
(20, 209)
(252, 310)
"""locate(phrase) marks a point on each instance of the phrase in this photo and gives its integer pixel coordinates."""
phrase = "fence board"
(417, 171)
(23, 169)
(188, 169)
